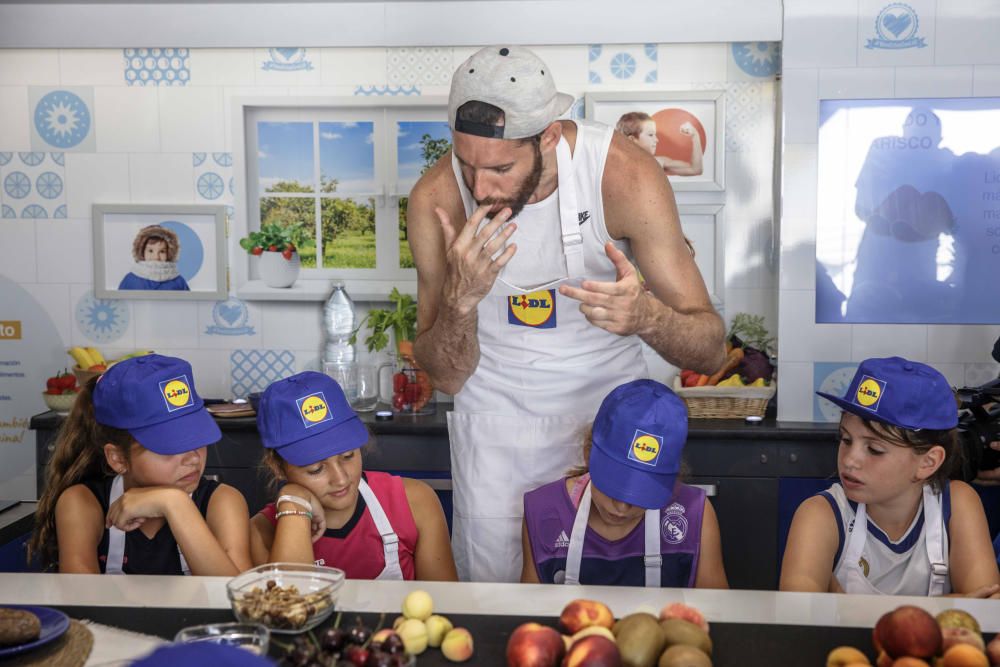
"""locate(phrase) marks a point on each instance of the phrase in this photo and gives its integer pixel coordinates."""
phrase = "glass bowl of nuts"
(287, 598)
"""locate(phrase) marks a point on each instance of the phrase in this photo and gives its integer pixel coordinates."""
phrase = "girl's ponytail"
(78, 455)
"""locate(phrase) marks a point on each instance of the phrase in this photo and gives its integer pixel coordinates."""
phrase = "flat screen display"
(908, 219)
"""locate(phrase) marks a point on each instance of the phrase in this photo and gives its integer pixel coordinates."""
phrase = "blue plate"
(54, 625)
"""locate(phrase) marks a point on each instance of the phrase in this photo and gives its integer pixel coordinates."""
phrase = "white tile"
(222, 67)
(353, 67)
(567, 63)
(953, 373)
(15, 130)
(460, 54)
(800, 338)
(896, 34)
(820, 35)
(191, 118)
(263, 76)
(934, 81)
(102, 323)
(165, 324)
(796, 232)
(161, 177)
(64, 251)
(690, 63)
(292, 325)
(967, 32)
(986, 80)
(211, 370)
(17, 250)
(856, 82)
(127, 119)
(228, 94)
(795, 392)
(100, 67)
(54, 299)
(748, 253)
(887, 340)
(798, 181)
(756, 302)
(95, 179)
(229, 325)
(981, 373)
(36, 67)
(798, 267)
(960, 344)
(800, 106)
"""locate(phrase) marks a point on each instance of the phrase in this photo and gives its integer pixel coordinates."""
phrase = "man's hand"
(472, 268)
(989, 477)
(620, 307)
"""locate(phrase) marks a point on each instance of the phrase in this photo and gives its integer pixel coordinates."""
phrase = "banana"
(81, 356)
(95, 354)
(137, 353)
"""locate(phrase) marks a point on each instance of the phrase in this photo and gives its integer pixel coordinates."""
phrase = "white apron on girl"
(543, 368)
(920, 570)
(116, 537)
(390, 541)
(653, 559)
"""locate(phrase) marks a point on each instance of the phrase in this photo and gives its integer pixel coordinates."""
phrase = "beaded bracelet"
(293, 513)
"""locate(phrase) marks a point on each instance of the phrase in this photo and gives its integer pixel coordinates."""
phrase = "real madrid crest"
(674, 525)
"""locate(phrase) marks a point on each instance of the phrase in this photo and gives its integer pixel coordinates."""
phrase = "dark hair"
(78, 455)
(484, 113)
(921, 442)
(587, 443)
(272, 466)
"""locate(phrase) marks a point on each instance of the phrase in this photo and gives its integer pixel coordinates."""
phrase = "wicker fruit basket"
(724, 402)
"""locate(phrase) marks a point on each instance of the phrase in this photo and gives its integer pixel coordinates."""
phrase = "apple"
(534, 645)
(580, 614)
(909, 631)
(419, 605)
(457, 645)
(593, 651)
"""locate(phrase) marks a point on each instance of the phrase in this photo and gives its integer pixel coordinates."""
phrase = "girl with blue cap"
(624, 518)
(893, 524)
(124, 490)
(370, 524)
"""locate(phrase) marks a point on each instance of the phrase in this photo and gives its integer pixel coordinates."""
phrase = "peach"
(685, 612)
(437, 628)
(534, 645)
(418, 604)
(845, 655)
(457, 645)
(580, 614)
(993, 650)
(909, 631)
(413, 632)
(952, 636)
(593, 651)
(907, 661)
(964, 655)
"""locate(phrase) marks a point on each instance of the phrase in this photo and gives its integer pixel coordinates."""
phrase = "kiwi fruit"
(685, 633)
(684, 656)
(640, 640)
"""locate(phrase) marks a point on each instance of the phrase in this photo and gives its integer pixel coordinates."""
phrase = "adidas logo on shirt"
(562, 541)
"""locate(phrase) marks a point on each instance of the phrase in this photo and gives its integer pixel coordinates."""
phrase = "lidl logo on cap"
(645, 447)
(869, 392)
(536, 310)
(314, 409)
(177, 393)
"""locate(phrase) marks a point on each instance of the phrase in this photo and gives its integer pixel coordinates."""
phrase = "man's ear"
(115, 458)
(930, 461)
(551, 136)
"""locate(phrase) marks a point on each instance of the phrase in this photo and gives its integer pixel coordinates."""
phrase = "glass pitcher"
(412, 393)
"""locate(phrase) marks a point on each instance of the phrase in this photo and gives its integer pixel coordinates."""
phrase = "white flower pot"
(276, 271)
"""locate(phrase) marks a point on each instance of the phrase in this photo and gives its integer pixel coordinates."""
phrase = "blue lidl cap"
(305, 418)
(202, 653)
(639, 434)
(154, 399)
(903, 393)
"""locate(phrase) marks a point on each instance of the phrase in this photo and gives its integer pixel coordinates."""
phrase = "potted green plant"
(279, 260)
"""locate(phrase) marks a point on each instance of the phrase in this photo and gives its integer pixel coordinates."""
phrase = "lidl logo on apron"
(313, 409)
(869, 393)
(536, 310)
(645, 448)
(176, 392)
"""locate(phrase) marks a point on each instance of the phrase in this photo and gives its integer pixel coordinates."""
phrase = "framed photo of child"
(683, 130)
(159, 251)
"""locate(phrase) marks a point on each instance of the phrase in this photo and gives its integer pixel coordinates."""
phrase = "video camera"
(979, 425)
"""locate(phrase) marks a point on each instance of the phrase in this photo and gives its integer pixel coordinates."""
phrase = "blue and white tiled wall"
(153, 125)
(867, 49)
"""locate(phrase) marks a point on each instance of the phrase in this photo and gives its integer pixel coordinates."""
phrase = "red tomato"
(412, 393)
(272, 248)
(287, 254)
(257, 250)
(397, 401)
(399, 382)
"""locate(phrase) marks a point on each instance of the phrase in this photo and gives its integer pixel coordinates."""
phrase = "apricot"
(909, 631)
(952, 636)
(437, 628)
(845, 655)
(964, 655)
(534, 645)
(418, 604)
(685, 612)
(580, 614)
(883, 660)
(457, 645)
(907, 661)
(413, 632)
(593, 651)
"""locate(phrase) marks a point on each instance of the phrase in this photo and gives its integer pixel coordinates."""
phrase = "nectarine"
(593, 651)
(580, 614)
(534, 645)
(909, 631)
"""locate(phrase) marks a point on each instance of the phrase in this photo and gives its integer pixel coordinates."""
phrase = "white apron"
(934, 540)
(574, 556)
(519, 418)
(116, 537)
(390, 541)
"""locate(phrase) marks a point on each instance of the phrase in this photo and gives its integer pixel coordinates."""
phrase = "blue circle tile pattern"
(59, 158)
(17, 185)
(197, 159)
(62, 119)
(223, 159)
(34, 211)
(101, 320)
(232, 190)
(32, 159)
(60, 212)
(8, 212)
(211, 185)
(757, 58)
(594, 53)
(157, 67)
(49, 185)
(5, 158)
(622, 65)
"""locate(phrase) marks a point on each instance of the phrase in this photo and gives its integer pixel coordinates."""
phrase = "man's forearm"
(687, 340)
(449, 350)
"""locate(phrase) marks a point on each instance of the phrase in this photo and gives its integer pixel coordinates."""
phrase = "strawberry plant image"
(270, 238)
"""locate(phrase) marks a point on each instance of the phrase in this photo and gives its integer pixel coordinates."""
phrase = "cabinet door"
(246, 481)
(747, 508)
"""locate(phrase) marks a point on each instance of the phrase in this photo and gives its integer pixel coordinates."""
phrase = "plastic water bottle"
(338, 320)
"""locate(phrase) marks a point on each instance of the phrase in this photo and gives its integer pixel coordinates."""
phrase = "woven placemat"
(70, 650)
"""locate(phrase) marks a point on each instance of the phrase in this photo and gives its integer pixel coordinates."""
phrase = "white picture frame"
(191, 237)
(704, 226)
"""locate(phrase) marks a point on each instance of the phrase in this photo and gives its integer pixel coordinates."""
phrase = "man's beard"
(523, 194)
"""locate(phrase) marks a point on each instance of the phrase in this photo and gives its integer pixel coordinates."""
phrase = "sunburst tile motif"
(101, 320)
(62, 119)
(758, 59)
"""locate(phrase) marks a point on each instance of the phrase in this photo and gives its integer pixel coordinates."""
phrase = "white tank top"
(902, 567)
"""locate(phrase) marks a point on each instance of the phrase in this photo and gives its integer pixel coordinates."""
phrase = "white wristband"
(301, 502)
